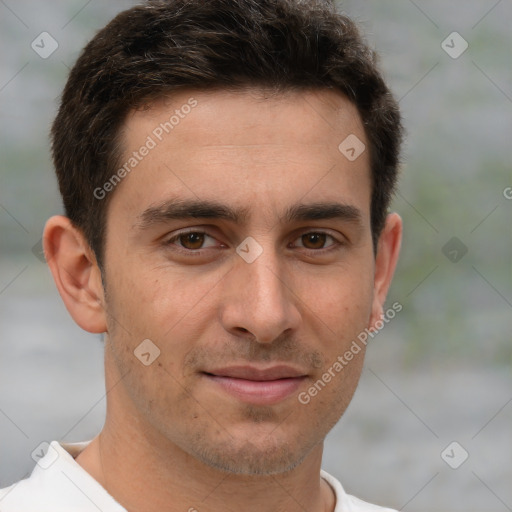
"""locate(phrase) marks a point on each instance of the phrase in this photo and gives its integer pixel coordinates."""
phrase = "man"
(226, 169)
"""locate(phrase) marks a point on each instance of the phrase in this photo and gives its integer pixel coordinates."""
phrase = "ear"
(385, 262)
(76, 273)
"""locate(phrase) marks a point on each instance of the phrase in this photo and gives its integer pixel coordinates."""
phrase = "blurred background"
(430, 426)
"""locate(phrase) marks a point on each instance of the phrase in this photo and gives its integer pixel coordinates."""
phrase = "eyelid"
(186, 231)
(203, 231)
(336, 241)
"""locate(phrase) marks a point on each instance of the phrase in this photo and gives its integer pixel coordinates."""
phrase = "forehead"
(255, 108)
(252, 148)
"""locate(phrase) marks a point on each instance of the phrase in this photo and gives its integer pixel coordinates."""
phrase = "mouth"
(256, 385)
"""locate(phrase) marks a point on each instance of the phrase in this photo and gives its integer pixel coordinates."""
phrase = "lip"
(256, 385)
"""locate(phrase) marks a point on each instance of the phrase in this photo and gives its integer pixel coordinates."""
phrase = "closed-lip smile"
(264, 386)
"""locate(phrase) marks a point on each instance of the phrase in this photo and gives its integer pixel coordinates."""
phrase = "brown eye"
(314, 240)
(191, 240)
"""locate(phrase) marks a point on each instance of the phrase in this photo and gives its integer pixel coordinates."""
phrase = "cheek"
(170, 310)
(342, 301)
(155, 301)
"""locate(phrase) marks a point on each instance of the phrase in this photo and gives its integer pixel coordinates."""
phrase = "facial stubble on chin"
(245, 456)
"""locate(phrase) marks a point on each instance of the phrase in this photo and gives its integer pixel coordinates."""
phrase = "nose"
(259, 299)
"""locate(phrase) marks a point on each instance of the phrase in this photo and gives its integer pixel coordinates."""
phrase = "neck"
(142, 470)
(141, 478)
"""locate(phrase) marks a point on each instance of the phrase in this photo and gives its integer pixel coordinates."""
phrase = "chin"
(250, 460)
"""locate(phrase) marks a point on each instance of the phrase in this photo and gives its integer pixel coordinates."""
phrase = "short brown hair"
(160, 47)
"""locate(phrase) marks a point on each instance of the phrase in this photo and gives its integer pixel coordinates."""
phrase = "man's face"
(241, 333)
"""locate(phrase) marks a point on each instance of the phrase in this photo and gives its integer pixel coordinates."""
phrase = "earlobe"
(76, 273)
(385, 263)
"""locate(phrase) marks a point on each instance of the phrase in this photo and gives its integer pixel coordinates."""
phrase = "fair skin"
(183, 433)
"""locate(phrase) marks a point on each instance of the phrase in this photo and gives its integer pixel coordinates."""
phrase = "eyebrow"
(322, 211)
(179, 209)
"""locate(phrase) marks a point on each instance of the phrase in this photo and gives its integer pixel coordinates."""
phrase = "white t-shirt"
(59, 484)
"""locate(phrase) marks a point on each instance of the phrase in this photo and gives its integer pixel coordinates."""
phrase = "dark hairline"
(315, 47)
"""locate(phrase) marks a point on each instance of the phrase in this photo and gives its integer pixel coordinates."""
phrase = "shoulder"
(27, 495)
(346, 502)
(57, 484)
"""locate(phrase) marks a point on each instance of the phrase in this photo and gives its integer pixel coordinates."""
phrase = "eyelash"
(199, 252)
(183, 250)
